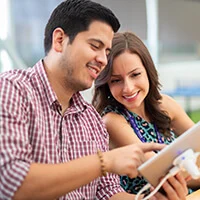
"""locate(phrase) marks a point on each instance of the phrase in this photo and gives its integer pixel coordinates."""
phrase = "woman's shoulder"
(112, 109)
(170, 106)
(166, 99)
(113, 113)
(167, 103)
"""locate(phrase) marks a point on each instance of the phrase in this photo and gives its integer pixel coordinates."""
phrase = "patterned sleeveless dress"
(133, 185)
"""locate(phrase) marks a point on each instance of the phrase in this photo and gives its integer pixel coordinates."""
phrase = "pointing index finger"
(146, 147)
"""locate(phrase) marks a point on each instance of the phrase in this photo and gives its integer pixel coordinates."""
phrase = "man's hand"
(125, 160)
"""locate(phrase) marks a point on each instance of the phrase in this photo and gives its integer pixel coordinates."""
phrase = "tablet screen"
(159, 165)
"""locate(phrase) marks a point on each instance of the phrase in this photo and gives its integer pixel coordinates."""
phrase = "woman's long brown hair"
(128, 41)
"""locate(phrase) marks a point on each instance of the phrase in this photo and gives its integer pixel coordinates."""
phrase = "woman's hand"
(175, 188)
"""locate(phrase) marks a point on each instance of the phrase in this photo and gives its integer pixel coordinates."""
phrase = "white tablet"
(158, 166)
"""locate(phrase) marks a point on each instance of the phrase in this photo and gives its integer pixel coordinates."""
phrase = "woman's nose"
(128, 86)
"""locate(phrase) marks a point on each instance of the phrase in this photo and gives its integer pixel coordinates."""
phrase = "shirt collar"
(47, 89)
(77, 104)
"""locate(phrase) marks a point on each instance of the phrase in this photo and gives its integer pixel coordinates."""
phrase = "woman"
(128, 98)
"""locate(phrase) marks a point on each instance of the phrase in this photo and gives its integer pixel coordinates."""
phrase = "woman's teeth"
(129, 97)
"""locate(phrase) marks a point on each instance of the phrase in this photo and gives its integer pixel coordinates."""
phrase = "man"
(52, 140)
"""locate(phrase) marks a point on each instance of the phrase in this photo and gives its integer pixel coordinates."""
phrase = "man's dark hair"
(75, 16)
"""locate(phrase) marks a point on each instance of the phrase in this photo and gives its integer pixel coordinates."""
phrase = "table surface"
(194, 196)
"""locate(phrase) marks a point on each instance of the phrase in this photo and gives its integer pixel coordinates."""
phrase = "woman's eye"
(136, 74)
(115, 81)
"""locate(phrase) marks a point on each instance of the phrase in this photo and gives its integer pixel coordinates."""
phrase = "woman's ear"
(58, 38)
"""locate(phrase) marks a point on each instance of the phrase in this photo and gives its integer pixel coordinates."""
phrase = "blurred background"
(169, 28)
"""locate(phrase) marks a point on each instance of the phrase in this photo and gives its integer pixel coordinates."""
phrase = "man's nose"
(102, 58)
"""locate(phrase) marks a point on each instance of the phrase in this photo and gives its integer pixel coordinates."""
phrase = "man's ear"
(58, 38)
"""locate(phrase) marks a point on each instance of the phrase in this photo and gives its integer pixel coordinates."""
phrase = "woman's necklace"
(137, 131)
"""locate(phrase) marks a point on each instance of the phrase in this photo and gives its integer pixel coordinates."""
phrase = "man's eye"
(94, 46)
(107, 53)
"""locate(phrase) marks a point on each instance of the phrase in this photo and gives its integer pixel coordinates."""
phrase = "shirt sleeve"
(15, 150)
(108, 186)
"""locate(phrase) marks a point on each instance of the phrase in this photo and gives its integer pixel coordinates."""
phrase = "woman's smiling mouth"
(131, 97)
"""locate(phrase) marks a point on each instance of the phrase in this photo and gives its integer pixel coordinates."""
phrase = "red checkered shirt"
(33, 131)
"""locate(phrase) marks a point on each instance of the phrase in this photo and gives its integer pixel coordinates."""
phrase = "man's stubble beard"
(71, 82)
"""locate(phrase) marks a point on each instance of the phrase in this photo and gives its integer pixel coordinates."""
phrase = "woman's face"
(129, 83)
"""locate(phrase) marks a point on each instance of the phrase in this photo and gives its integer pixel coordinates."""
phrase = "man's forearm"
(124, 196)
(50, 181)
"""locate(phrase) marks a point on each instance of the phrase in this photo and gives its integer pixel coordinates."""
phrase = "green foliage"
(195, 115)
